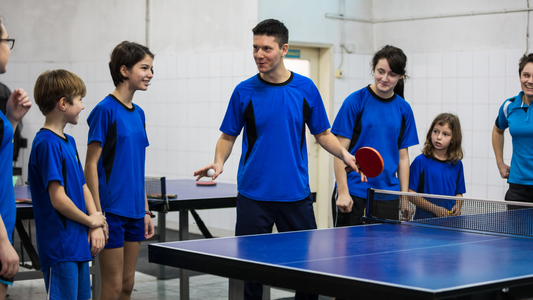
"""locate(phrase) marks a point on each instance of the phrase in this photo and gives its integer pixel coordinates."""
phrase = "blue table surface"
(414, 257)
(22, 192)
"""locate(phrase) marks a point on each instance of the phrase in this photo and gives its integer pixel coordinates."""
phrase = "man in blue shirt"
(273, 107)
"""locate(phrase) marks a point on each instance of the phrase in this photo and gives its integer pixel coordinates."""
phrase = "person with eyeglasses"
(17, 106)
(5, 94)
(10, 43)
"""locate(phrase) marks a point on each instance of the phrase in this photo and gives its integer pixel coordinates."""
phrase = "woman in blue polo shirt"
(515, 115)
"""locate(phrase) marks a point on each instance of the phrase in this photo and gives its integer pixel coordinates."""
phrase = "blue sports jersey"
(516, 115)
(386, 125)
(8, 209)
(273, 164)
(121, 132)
(432, 176)
(54, 158)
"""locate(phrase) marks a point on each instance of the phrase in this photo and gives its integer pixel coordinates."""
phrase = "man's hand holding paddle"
(369, 161)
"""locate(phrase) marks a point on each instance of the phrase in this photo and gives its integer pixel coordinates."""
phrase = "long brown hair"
(455, 151)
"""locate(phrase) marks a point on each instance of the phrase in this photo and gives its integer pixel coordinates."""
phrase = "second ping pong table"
(378, 261)
(189, 198)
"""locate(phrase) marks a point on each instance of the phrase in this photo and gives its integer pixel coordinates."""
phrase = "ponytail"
(398, 89)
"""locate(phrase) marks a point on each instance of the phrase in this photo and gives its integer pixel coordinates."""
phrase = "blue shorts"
(123, 229)
(68, 280)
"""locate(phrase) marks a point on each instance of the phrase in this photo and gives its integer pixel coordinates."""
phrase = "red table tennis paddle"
(206, 183)
(369, 162)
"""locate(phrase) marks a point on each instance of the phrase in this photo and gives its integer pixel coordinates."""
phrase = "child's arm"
(94, 151)
(403, 176)
(97, 237)
(148, 225)
(17, 106)
(62, 203)
(8, 255)
(422, 203)
(456, 209)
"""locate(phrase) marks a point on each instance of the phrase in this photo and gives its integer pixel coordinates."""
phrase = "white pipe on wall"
(341, 17)
(147, 42)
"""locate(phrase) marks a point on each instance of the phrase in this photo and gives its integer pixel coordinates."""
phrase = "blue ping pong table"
(378, 261)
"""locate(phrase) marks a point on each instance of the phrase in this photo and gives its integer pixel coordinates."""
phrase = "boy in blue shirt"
(69, 229)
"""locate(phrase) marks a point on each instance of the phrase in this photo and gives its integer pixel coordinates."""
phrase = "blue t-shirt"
(121, 131)
(386, 125)
(8, 208)
(59, 239)
(432, 176)
(516, 115)
(273, 164)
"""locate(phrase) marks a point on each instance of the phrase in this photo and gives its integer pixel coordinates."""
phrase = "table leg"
(95, 272)
(266, 291)
(161, 228)
(26, 241)
(184, 235)
(236, 290)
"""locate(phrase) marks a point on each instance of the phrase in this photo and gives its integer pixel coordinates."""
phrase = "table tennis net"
(155, 187)
(505, 217)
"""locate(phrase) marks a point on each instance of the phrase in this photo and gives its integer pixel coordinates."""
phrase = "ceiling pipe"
(439, 16)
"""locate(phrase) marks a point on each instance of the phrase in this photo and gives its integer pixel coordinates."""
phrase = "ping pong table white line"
(377, 282)
(259, 234)
(282, 266)
(500, 237)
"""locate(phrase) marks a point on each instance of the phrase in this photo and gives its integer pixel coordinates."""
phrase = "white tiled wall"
(470, 84)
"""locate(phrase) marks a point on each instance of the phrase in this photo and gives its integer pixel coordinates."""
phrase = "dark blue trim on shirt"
(275, 84)
(306, 109)
(109, 150)
(251, 130)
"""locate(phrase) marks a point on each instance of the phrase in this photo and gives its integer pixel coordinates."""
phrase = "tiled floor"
(148, 287)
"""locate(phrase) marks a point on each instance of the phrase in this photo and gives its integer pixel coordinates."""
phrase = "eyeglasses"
(10, 42)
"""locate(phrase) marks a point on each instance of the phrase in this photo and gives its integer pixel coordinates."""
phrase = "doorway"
(315, 61)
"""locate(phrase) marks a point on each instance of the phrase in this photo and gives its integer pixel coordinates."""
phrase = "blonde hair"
(454, 151)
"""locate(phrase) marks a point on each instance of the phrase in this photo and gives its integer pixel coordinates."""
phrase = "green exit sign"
(293, 54)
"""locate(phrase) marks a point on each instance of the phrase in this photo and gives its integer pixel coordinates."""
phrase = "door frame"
(324, 161)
